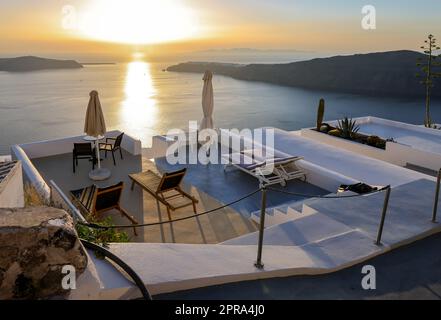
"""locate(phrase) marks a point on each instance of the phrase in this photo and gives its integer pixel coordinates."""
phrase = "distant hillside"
(385, 73)
(31, 63)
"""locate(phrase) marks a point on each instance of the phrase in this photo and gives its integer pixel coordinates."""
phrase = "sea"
(142, 99)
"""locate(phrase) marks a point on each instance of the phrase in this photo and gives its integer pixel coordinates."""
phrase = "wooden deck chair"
(166, 189)
(95, 201)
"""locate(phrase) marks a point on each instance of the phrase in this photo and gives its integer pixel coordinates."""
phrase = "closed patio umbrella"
(207, 102)
(95, 129)
(94, 125)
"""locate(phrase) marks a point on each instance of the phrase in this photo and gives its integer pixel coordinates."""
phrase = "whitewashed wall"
(346, 144)
(65, 145)
(11, 189)
(31, 175)
(395, 152)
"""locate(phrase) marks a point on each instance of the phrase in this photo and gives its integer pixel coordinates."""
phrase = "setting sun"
(137, 21)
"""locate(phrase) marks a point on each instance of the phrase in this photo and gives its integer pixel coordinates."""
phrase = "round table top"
(90, 138)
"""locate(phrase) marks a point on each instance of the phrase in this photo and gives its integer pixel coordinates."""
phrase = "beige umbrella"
(207, 102)
(94, 125)
(95, 128)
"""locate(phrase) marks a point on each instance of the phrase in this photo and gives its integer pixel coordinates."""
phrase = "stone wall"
(35, 244)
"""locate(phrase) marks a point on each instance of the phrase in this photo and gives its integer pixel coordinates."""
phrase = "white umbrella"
(95, 128)
(207, 102)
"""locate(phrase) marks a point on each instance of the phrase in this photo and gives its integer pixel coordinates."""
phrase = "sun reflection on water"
(139, 109)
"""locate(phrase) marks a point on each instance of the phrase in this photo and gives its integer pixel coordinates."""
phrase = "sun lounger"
(268, 168)
(95, 201)
(166, 189)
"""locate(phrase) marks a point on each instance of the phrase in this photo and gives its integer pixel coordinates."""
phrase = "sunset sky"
(118, 28)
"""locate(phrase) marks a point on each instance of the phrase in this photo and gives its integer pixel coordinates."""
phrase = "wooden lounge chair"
(165, 189)
(112, 147)
(95, 201)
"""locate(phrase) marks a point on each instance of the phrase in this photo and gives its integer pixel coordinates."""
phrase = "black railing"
(383, 215)
(138, 282)
(258, 264)
(97, 226)
(435, 204)
(263, 191)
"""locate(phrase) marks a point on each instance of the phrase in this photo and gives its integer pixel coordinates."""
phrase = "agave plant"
(348, 128)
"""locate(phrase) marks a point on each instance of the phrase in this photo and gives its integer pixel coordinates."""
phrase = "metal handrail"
(383, 215)
(435, 204)
(139, 283)
(259, 264)
(76, 213)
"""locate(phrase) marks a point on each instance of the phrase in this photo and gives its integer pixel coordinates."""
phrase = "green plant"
(33, 198)
(348, 128)
(428, 65)
(376, 141)
(320, 114)
(381, 144)
(373, 140)
(102, 236)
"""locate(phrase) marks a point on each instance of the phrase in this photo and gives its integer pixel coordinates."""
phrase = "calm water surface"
(142, 100)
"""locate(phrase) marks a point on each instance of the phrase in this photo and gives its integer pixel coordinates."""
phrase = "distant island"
(31, 63)
(381, 74)
(97, 63)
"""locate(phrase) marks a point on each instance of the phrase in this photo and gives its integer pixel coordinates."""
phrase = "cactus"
(320, 113)
(348, 128)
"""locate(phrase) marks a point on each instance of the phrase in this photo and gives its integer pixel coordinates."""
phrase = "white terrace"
(412, 146)
(311, 236)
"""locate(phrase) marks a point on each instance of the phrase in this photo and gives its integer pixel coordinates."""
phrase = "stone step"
(278, 214)
(298, 232)
(421, 169)
(408, 214)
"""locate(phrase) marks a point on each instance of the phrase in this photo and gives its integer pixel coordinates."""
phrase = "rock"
(335, 133)
(324, 128)
(35, 244)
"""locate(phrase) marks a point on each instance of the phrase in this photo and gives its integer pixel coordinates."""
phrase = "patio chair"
(83, 151)
(165, 189)
(268, 169)
(112, 147)
(94, 201)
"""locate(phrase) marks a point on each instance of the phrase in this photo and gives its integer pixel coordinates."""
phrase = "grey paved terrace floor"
(227, 186)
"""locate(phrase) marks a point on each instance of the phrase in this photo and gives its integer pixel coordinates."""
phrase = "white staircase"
(286, 212)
